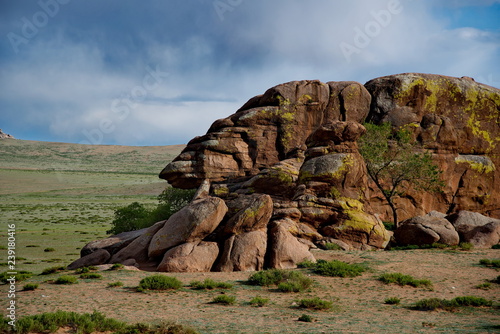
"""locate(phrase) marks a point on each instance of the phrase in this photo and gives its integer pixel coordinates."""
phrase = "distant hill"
(37, 155)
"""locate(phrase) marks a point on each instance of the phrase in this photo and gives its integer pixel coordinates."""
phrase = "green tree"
(136, 216)
(395, 162)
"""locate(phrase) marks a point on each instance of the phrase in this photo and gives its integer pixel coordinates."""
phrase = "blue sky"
(160, 72)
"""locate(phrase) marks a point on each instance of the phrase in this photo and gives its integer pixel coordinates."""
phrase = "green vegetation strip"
(86, 324)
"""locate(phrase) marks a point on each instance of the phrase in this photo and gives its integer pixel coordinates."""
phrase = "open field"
(66, 197)
(62, 196)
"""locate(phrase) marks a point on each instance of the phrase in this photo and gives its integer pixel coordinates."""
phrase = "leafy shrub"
(136, 216)
(159, 282)
(259, 301)
(286, 280)
(305, 318)
(129, 218)
(30, 287)
(337, 268)
(472, 301)
(392, 301)
(52, 270)
(315, 304)
(210, 284)
(224, 299)
(490, 263)
(449, 305)
(115, 284)
(66, 279)
(497, 246)
(91, 276)
(484, 286)
(400, 279)
(49, 249)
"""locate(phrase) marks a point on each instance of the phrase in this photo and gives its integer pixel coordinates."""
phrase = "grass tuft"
(285, 280)
(337, 268)
(159, 283)
(259, 301)
(66, 279)
(210, 284)
(400, 279)
(224, 300)
(315, 304)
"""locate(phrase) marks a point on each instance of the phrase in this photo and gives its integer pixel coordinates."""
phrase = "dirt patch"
(359, 301)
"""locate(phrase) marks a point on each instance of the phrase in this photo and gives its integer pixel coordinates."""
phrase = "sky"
(126, 72)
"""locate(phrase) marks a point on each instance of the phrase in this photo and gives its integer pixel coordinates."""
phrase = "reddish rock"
(192, 223)
(285, 249)
(426, 230)
(100, 256)
(244, 252)
(481, 231)
(457, 119)
(112, 244)
(190, 257)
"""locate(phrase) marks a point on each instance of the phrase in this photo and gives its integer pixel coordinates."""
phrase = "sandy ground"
(359, 302)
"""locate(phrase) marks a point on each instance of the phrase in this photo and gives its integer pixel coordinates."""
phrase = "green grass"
(285, 280)
(66, 279)
(490, 263)
(392, 301)
(30, 287)
(432, 304)
(305, 318)
(315, 304)
(159, 283)
(91, 276)
(259, 301)
(224, 300)
(53, 270)
(210, 284)
(401, 279)
(337, 268)
(116, 284)
(86, 324)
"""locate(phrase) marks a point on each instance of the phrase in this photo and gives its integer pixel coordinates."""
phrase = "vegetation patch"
(66, 279)
(115, 284)
(259, 301)
(305, 318)
(210, 284)
(392, 301)
(20, 276)
(432, 304)
(159, 283)
(490, 263)
(224, 300)
(337, 268)
(285, 280)
(315, 304)
(30, 287)
(53, 270)
(401, 279)
(91, 276)
(86, 324)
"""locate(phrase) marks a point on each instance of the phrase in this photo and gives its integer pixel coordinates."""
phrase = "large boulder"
(192, 223)
(98, 257)
(426, 230)
(113, 243)
(138, 249)
(287, 250)
(479, 230)
(244, 252)
(190, 257)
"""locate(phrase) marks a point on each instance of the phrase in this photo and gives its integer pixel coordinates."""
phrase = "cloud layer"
(85, 71)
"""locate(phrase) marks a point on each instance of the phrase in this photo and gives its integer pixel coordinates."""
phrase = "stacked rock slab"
(283, 174)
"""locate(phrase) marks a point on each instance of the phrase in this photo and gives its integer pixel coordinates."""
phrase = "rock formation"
(5, 135)
(283, 174)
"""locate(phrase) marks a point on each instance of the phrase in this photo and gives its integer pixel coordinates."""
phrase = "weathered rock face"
(458, 120)
(283, 175)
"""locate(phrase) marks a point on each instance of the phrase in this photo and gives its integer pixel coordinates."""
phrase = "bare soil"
(359, 301)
